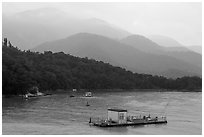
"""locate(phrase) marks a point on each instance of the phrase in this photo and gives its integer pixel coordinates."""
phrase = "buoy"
(87, 104)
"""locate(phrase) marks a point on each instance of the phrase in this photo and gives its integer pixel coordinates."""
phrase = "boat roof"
(117, 110)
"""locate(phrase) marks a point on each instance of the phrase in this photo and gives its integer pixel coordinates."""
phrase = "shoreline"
(61, 91)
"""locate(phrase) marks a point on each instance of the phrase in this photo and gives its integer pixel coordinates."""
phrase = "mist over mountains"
(196, 48)
(54, 30)
(173, 45)
(146, 45)
(30, 28)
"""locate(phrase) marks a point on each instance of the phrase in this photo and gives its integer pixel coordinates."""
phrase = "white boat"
(74, 90)
(88, 94)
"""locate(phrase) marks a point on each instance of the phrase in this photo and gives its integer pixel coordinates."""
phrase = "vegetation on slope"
(22, 70)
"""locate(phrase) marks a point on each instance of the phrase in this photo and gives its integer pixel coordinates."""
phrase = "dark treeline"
(22, 70)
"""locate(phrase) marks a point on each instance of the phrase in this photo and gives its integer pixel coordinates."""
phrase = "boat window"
(121, 116)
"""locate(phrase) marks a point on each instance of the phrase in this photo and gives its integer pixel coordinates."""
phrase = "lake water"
(60, 114)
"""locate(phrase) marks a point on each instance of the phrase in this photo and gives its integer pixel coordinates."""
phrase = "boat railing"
(132, 118)
(162, 118)
(129, 118)
(98, 120)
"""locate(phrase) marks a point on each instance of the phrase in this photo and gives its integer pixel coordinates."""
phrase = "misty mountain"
(165, 41)
(173, 45)
(33, 27)
(26, 34)
(119, 54)
(177, 49)
(144, 44)
(196, 48)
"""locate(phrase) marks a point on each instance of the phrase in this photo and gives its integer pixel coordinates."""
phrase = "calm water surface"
(60, 114)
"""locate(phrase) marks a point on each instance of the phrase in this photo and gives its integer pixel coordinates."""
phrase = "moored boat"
(88, 94)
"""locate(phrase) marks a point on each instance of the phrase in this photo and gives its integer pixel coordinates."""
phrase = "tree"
(5, 42)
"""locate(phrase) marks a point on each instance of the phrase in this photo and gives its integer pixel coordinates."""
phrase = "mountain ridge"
(148, 45)
(85, 44)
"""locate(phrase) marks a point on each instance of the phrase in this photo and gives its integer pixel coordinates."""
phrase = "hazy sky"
(181, 21)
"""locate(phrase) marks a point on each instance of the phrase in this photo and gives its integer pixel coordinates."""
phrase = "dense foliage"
(22, 70)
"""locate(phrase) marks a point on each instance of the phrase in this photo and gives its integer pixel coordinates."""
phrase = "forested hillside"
(22, 70)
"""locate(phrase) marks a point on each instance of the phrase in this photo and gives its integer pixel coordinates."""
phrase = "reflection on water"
(60, 114)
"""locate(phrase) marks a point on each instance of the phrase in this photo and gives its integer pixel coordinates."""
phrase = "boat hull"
(128, 124)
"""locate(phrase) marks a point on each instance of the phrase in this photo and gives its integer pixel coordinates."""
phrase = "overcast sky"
(181, 21)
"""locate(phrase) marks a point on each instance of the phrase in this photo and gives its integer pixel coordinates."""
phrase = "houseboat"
(119, 117)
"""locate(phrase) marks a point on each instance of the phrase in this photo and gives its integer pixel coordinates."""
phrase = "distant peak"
(139, 37)
(97, 20)
(136, 36)
(41, 12)
(86, 34)
(165, 41)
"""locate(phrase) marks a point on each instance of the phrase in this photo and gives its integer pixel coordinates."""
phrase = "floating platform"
(119, 117)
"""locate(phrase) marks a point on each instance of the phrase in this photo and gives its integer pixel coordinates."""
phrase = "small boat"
(88, 94)
(29, 95)
(119, 117)
(74, 90)
(25, 96)
(33, 92)
(71, 96)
